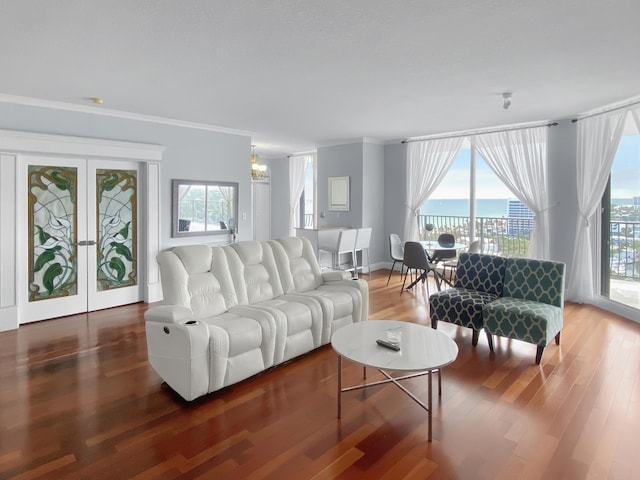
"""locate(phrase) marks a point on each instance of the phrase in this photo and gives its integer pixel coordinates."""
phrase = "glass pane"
(502, 223)
(447, 210)
(52, 232)
(309, 193)
(220, 207)
(624, 227)
(117, 228)
(192, 207)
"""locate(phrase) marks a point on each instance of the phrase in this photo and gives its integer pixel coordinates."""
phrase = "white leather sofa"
(231, 312)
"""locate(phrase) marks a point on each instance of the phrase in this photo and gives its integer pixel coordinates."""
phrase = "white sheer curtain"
(297, 170)
(598, 139)
(427, 164)
(519, 159)
(635, 111)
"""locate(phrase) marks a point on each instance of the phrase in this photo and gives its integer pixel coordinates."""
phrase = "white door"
(81, 219)
(261, 195)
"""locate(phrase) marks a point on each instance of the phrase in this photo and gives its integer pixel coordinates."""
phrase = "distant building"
(520, 218)
(636, 202)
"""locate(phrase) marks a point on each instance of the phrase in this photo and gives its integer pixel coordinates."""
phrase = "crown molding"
(106, 112)
(44, 143)
(349, 141)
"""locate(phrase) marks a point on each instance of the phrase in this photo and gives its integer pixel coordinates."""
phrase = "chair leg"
(404, 281)
(474, 338)
(489, 339)
(558, 339)
(391, 271)
(539, 354)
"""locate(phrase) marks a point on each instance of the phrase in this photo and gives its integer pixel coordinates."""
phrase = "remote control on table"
(388, 345)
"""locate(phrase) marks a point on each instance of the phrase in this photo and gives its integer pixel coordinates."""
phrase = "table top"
(434, 245)
(421, 348)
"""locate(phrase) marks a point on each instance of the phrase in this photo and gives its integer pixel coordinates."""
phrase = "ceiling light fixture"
(97, 100)
(506, 100)
(258, 171)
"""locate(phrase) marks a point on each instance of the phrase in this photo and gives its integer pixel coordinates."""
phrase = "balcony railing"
(624, 245)
(509, 237)
(498, 235)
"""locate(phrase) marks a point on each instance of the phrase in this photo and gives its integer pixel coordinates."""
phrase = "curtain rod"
(636, 102)
(469, 133)
(312, 152)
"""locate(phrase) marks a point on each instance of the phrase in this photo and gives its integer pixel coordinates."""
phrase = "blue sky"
(625, 175)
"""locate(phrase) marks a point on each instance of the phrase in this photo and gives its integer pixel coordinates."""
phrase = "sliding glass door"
(620, 220)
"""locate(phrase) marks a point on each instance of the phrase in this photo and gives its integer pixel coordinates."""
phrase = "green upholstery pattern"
(531, 308)
(537, 280)
(526, 320)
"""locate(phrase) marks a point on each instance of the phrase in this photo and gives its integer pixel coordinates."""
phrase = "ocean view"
(485, 207)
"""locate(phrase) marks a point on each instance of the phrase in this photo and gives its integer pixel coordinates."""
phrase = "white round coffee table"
(423, 351)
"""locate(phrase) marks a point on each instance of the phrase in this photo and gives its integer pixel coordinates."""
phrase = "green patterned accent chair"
(479, 280)
(532, 303)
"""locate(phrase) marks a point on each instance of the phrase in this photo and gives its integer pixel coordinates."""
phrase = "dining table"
(431, 247)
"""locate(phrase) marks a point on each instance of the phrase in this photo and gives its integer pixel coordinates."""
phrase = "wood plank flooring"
(78, 400)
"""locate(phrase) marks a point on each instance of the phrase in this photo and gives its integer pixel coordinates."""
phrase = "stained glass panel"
(52, 232)
(117, 228)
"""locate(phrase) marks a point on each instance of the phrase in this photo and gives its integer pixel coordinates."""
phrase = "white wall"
(340, 161)
(279, 197)
(373, 198)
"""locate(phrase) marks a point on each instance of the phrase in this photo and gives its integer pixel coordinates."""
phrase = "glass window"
(499, 220)
(620, 232)
(308, 199)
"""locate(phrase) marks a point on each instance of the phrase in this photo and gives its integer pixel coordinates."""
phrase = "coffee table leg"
(439, 382)
(429, 404)
(339, 385)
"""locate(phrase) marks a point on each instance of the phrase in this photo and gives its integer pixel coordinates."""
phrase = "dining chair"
(396, 250)
(415, 258)
(363, 239)
(445, 240)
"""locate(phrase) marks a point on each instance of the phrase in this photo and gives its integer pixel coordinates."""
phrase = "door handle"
(84, 243)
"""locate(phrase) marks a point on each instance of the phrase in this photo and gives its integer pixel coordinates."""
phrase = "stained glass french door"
(82, 252)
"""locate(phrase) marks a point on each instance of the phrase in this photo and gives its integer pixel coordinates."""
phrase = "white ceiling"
(298, 74)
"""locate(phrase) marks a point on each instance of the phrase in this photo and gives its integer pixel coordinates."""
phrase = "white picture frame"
(339, 194)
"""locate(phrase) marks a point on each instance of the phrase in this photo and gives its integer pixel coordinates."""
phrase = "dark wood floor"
(79, 400)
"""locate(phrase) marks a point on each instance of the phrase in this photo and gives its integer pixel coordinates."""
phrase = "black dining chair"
(415, 258)
(447, 240)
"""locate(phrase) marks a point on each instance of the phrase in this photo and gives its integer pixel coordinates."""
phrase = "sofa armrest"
(334, 276)
(168, 314)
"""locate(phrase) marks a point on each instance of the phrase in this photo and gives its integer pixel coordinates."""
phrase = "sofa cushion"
(195, 258)
(254, 272)
(341, 299)
(480, 272)
(459, 306)
(197, 278)
(297, 264)
(238, 349)
(526, 320)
